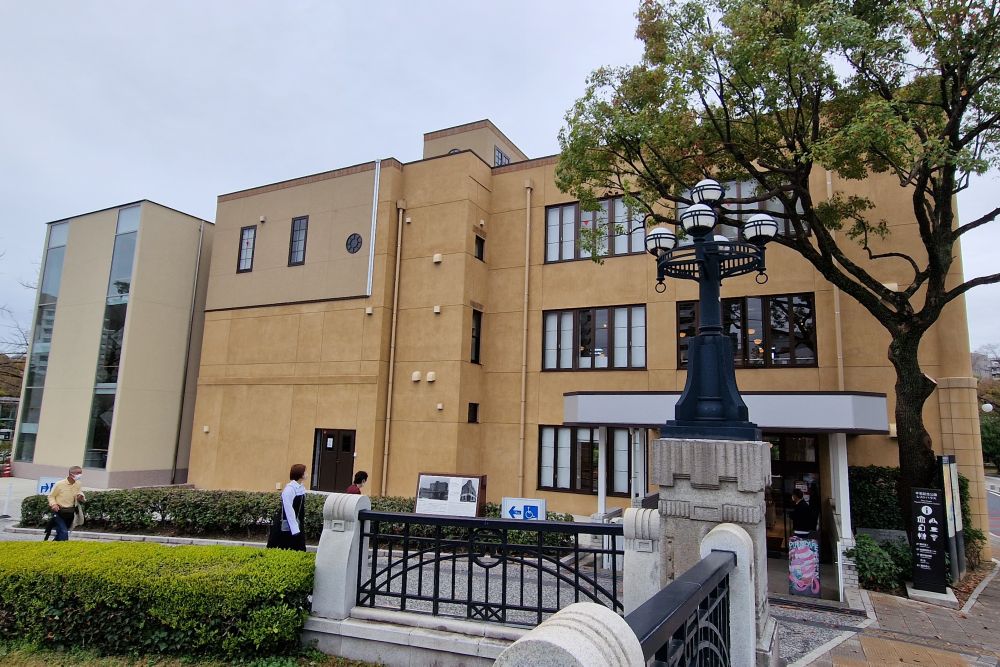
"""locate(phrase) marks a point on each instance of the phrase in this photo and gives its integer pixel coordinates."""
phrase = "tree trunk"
(913, 388)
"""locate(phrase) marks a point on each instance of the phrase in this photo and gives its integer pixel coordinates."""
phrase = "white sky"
(103, 103)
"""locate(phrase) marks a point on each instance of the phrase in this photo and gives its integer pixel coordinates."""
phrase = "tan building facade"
(438, 316)
(117, 331)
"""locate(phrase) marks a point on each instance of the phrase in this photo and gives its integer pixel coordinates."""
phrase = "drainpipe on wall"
(836, 305)
(187, 354)
(400, 207)
(528, 186)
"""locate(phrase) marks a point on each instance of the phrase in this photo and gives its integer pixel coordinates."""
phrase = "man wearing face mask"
(63, 499)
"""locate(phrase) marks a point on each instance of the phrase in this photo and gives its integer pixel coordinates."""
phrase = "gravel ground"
(801, 630)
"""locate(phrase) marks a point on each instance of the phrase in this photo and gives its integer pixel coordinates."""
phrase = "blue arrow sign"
(514, 512)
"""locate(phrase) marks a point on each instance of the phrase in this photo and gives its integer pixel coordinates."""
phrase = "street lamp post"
(710, 408)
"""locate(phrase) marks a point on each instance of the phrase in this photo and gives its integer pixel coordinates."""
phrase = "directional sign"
(523, 509)
(929, 540)
(45, 484)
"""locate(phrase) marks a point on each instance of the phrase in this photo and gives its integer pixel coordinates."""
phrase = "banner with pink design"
(803, 566)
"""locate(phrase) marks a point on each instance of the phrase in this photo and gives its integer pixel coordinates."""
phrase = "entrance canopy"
(801, 412)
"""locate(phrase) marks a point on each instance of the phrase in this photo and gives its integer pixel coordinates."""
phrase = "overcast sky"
(103, 102)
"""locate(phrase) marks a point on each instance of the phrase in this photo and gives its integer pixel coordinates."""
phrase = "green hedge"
(234, 514)
(881, 567)
(147, 598)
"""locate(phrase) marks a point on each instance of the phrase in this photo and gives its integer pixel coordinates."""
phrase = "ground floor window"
(794, 465)
(568, 459)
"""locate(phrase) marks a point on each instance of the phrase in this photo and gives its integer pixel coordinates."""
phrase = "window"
(248, 235)
(499, 157)
(296, 242)
(473, 413)
(568, 459)
(623, 230)
(767, 331)
(477, 332)
(480, 248)
(594, 338)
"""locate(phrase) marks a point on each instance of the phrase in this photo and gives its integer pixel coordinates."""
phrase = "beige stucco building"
(438, 316)
(118, 321)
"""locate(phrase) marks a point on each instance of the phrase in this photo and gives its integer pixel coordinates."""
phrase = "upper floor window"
(622, 230)
(297, 241)
(594, 338)
(499, 157)
(480, 248)
(767, 331)
(568, 459)
(248, 236)
(477, 333)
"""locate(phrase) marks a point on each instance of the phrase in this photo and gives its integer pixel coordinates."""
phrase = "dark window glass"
(594, 338)
(480, 248)
(112, 337)
(786, 337)
(477, 331)
(622, 230)
(99, 432)
(120, 282)
(25, 446)
(473, 413)
(248, 236)
(52, 275)
(297, 241)
(499, 157)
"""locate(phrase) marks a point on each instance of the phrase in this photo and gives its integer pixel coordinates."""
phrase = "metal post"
(6, 502)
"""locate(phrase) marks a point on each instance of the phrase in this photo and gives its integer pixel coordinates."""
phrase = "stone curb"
(981, 587)
(157, 539)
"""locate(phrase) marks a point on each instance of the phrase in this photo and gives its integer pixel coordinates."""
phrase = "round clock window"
(353, 243)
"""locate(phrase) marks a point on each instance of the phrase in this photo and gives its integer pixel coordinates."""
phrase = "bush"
(873, 497)
(149, 598)
(235, 514)
(877, 571)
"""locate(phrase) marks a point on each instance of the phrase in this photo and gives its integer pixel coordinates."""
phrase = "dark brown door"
(333, 462)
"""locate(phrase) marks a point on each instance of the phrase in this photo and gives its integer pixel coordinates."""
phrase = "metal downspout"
(187, 354)
(528, 186)
(400, 206)
(836, 305)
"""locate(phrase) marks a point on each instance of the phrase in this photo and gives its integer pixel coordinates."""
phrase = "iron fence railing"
(496, 570)
(687, 622)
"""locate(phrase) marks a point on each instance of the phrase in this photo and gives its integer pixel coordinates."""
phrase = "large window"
(296, 242)
(767, 331)
(594, 338)
(499, 157)
(741, 212)
(248, 235)
(477, 334)
(568, 459)
(622, 230)
(41, 340)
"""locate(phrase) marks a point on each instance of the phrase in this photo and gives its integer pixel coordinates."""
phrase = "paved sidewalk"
(905, 632)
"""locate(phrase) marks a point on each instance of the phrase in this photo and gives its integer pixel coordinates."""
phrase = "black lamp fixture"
(710, 408)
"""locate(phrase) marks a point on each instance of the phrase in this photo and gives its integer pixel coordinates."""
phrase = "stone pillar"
(707, 482)
(581, 635)
(335, 587)
(742, 609)
(642, 574)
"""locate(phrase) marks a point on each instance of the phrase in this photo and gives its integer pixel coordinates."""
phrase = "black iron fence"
(687, 622)
(496, 570)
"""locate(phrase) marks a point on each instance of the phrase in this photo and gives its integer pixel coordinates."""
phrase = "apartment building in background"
(117, 326)
(440, 316)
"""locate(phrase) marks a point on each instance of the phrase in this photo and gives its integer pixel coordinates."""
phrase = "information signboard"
(525, 509)
(929, 540)
(450, 495)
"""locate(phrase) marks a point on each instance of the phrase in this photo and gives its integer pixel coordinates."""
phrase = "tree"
(774, 91)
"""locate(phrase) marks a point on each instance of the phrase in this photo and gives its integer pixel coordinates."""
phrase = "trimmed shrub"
(877, 571)
(232, 514)
(148, 598)
(873, 497)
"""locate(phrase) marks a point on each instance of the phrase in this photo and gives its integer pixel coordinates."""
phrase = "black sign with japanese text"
(930, 540)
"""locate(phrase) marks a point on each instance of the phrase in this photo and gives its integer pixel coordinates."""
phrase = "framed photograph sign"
(450, 495)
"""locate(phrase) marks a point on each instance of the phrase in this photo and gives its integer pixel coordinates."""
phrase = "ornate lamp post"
(710, 408)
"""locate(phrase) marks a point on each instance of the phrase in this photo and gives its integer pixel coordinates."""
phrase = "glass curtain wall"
(41, 341)
(112, 339)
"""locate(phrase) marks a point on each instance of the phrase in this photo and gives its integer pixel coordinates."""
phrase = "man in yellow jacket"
(63, 497)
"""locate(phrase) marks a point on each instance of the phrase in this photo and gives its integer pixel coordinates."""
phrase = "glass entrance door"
(794, 465)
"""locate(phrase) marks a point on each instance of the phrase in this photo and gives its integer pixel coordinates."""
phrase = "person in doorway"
(803, 518)
(360, 479)
(288, 529)
(64, 500)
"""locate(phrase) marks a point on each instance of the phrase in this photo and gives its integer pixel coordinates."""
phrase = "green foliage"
(145, 598)
(989, 427)
(873, 497)
(877, 569)
(228, 514)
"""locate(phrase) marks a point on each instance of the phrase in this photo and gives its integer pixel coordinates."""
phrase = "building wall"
(250, 356)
